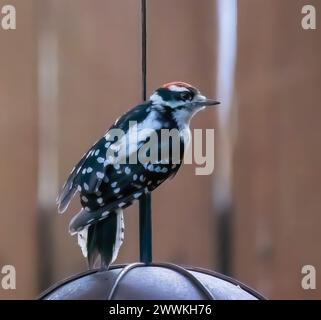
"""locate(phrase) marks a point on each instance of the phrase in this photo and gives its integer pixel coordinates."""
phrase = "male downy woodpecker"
(107, 185)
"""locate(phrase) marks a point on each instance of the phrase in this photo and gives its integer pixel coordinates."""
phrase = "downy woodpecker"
(107, 185)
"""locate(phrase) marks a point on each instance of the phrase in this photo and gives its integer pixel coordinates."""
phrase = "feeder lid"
(155, 281)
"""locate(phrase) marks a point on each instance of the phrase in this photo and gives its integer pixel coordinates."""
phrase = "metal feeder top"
(160, 281)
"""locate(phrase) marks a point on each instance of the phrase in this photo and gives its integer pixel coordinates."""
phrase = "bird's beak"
(207, 102)
(203, 102)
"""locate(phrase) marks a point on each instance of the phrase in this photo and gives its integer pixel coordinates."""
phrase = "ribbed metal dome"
(162, 281)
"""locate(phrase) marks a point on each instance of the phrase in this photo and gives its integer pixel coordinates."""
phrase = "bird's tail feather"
(101, 241)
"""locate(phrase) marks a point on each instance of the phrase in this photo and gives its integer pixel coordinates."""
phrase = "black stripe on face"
(165, 94)
(193, 91)
(169, 95)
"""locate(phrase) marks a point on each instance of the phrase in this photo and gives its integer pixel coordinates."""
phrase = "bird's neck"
(182, 118)
(175, 119)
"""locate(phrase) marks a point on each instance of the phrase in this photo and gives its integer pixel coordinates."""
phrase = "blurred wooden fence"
(72, 67)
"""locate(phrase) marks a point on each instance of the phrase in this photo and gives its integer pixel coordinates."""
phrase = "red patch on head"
(178, 84)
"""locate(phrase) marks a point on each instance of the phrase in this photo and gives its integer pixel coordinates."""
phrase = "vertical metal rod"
(145, 212)
(145, 227)
(144, 49)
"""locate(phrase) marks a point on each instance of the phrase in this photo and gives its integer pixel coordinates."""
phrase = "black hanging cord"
(145, 213)
(144, 50)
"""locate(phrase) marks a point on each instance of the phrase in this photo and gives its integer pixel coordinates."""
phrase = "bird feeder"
(162, 281)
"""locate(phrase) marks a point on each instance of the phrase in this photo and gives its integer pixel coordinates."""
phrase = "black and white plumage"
(107, 185)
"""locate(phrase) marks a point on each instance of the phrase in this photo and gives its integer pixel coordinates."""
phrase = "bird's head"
(181, 96)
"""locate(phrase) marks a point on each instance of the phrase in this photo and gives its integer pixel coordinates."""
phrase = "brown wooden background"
(72, 67)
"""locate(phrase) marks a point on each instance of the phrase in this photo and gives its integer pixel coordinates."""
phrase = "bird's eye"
(186, 96)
